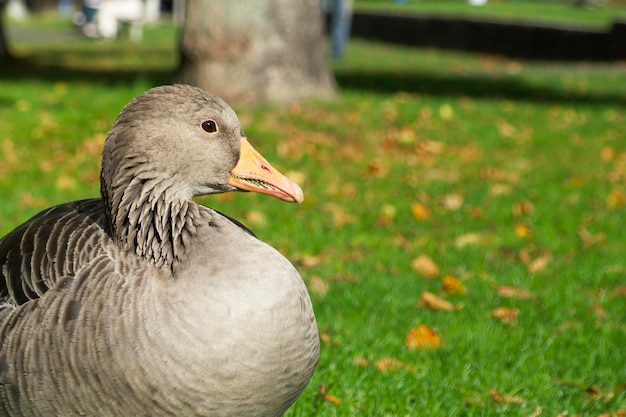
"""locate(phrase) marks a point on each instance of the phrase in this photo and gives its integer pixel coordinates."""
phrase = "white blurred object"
(477, 2)
(152, 11)
(113, 12)
(16, 9)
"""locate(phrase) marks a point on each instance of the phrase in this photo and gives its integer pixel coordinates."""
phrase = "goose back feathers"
(144, 303)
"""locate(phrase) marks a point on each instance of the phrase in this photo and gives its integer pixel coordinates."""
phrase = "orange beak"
(254, 173)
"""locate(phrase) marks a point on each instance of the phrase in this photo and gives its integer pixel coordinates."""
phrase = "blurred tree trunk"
(255, 50)
(5, 54)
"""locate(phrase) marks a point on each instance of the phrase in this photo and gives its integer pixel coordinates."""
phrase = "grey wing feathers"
(51, 245)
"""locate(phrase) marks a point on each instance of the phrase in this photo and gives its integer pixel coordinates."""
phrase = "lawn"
(546, 11)
(462, 235)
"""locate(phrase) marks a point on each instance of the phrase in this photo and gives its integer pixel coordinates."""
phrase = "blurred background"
(463, 163)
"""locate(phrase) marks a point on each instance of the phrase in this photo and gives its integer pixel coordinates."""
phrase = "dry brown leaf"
(406, 135)
(339, 215)
(499, 175)
(391, 364)
(256, 218)
(65, 182)
(360, 361)
(420, 211)
(27, 201)
(506, 315)
(423, 337)
(430, 300)
(522, 208)
(505, 398)
(619, 388)
(468, 239)
(387, 214)
(514, 292)
(619, 291)
(377, 169)
(452, 202)
(588, 238)
(618, 413)
(599, 311)
(318, 286)
(451, 285)
(505, 129)
(309, 261)
(607, 153)
(594, 392)
(327, 397)
(500, 189)
(429, 147)
(331, 399)
(615, 199)
(539, 263)
(425, 266)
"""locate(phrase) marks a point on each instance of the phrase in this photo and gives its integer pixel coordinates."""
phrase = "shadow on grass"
(99, 67)
(106, 66)
(509, 88)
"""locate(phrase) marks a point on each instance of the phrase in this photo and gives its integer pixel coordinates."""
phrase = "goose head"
(185, 142)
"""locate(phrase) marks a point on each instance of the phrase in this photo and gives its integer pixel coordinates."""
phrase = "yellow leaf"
(425, 266)
(506, 315)
(523, 231)
(500, 189)
(607, 153)
(446, 112)
(615, 199)
(406, 135)
(387, 214)
(423, 337)
(420, 211)
(451, 285)
(430, 300)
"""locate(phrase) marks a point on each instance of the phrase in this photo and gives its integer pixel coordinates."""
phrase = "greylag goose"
(145, 303)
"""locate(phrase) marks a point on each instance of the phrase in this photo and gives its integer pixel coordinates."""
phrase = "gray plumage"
(144, 303)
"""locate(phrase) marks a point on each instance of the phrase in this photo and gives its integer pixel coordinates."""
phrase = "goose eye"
(209, 126)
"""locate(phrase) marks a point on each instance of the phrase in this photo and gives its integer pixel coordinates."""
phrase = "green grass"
(485, 144)
(561, 12)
